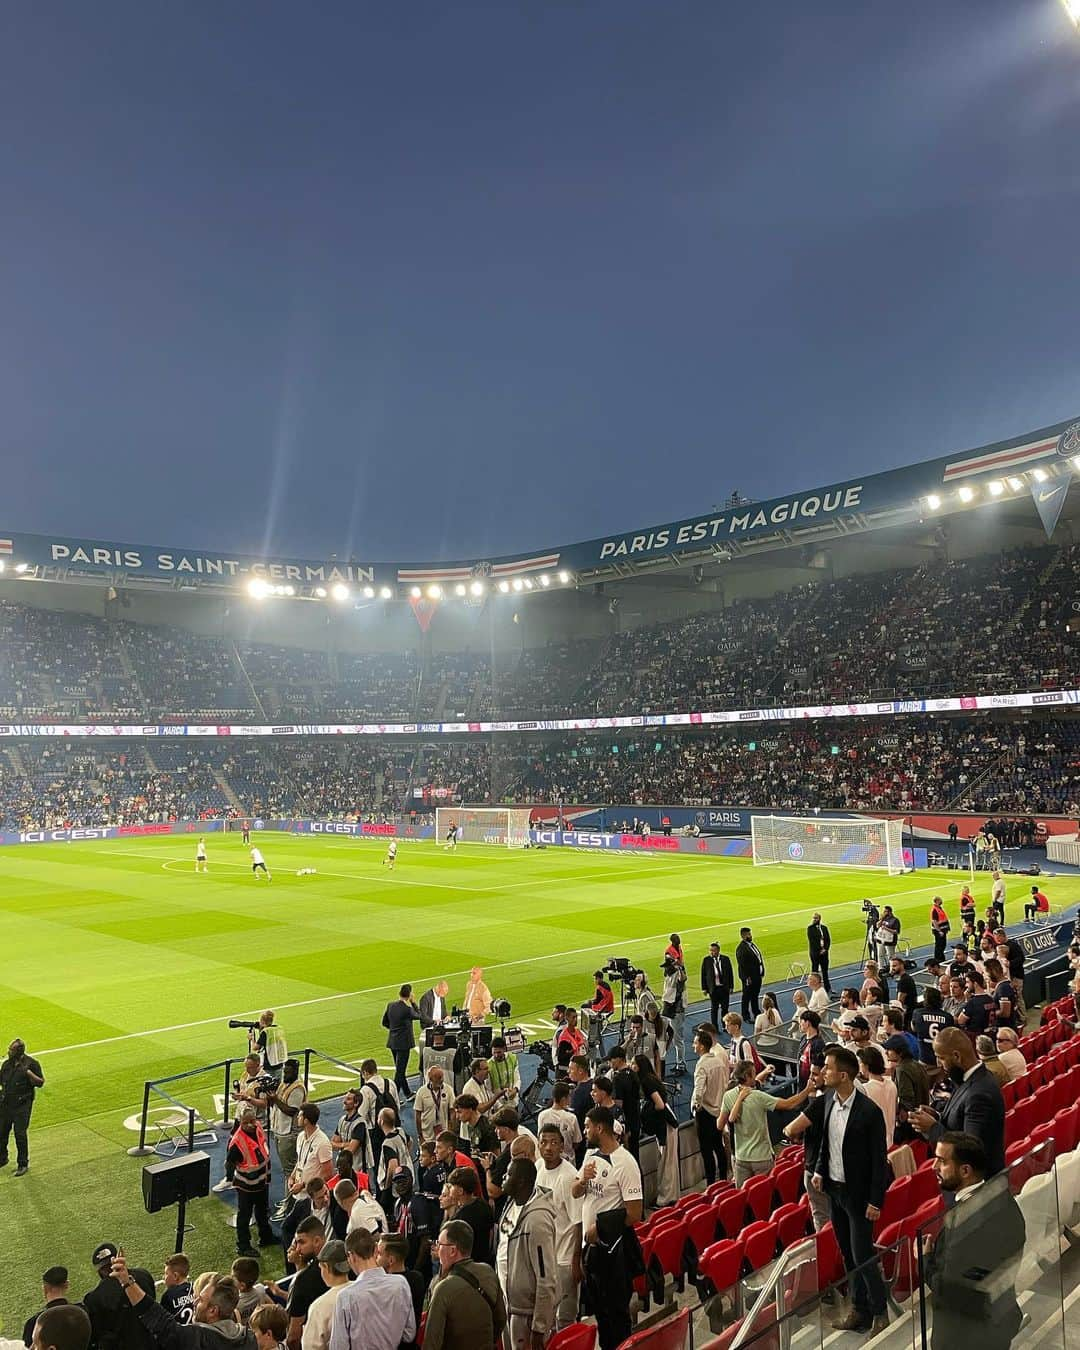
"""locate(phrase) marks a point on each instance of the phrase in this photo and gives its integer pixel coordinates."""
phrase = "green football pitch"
(121, 965)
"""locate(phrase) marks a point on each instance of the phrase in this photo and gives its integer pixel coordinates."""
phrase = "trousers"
(718, 1005)
(855, 1236)
(711, 1144)
(253, 1204)
(608, 1286)
(401, 1071)
(750, 1006)
(16, 1118)
(820, 964)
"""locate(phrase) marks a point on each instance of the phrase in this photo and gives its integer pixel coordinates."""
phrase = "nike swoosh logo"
(1050, 492)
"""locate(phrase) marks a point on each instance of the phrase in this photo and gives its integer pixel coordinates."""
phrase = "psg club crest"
(795, 850)
(1069, 441)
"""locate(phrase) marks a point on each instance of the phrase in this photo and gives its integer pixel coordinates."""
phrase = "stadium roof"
(1023, 479)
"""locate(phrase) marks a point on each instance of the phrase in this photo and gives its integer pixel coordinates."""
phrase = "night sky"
(419, 281)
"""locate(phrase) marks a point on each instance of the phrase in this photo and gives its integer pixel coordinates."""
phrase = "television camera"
(619, 968)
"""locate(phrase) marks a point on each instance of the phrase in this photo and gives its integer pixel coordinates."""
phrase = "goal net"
(828, 843)
(505, 825)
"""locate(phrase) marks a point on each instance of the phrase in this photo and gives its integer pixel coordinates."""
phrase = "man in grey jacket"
(526, 1259)
(214, 1328)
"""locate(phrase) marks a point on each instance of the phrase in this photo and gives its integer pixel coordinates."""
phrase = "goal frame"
(481, 825)
(883, 854)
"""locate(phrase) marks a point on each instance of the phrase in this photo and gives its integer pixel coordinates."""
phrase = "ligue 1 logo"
(1069, 441)
(795, 850)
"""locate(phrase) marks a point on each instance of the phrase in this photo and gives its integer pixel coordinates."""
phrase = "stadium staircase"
(257, 702)
(225, 787)
(996, 765)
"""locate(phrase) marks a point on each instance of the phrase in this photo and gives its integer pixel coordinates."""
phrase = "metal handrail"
(784, 1262)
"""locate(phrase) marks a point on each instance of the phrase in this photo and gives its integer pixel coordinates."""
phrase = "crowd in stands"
(455, 1207)
(1010, 768)
(997, 622)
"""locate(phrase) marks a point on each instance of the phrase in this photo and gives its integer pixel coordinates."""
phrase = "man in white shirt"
(363, 1209)
(334, 1268)
(711, 1076)
(818, 1000)
(609, 1186)
(997, 895)
(564, 1120)
(314, 1156)
(431, 1107)
(556, 1176)
(258, 865)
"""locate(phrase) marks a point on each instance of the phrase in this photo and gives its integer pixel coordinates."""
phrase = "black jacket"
(977, 1107)
(819, 938)
(170, 1335)
(427, 1016)
(750, 962)
(972, 1265)
(398, 1020)
(709, 981)
(865, 1164)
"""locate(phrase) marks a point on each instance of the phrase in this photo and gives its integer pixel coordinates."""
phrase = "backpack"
(383, 1096)
(747, 1043)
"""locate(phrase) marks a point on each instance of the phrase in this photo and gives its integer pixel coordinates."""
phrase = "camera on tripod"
(619, 968)
(545, 1065)
(873, 914)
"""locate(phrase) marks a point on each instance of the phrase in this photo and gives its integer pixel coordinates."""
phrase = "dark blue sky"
(420, 281)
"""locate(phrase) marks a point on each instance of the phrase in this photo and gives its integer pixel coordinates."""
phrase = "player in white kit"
(258, 864)
(200, 856)
(391, 855)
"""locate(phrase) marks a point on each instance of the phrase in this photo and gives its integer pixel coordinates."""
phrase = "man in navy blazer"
(398, 1020)
(851, 1168)
(976, 1105)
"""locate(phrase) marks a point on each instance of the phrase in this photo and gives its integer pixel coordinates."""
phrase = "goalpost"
(505, 825)
(817, 842)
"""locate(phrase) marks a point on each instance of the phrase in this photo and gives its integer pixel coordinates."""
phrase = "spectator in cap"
(54, 1289)
(62, 1327)
(334, 1268)
(113, 1325)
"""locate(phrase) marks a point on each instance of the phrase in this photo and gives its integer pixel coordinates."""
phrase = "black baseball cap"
(55, 1276)
(858, 1024)
(104, 1251)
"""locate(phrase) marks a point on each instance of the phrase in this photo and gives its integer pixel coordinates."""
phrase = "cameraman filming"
(20, 1078)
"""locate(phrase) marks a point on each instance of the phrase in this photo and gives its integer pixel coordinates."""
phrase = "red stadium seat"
(1067, 1128)
(1042, 1136)
(721, 1264)
(577, 1336)
(668, 1253)
(717, 1189)
(763, 1335)
(701, 1227)
(924, 1186)
(1008, 1095)
(897, 1203)
(669, 1335)
(788, 1182)
(759, 1196)
(759, 1243)
(830, 1260)
(790, 1223)
(731, 1213)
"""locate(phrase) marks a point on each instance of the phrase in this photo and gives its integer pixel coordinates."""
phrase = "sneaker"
(879, 1324)
(22, 1170)
(223, 1185)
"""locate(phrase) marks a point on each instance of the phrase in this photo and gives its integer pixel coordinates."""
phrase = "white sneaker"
(223, 1185)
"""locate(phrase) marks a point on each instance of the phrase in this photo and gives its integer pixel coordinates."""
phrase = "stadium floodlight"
(1015, 483)
(934, 502)
(1, 564)
(966, 494)
(340, 592)
(320, 591)
(518, 584)
(528, 583)
(459, 589)
(1076, 461)
(1040, 475)
(415, 592)
(434, 591)
(564, 577)
(20, 568)
(1072, 9)
(996, 488)
(257, 588)
(386, 593)
(545, 580)
(369, 592)
(504, 586)
(477, 588)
